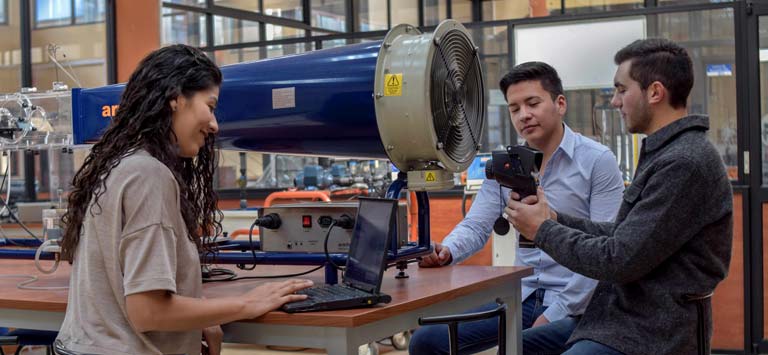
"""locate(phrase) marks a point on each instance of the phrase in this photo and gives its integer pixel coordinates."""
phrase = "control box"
(304, 226)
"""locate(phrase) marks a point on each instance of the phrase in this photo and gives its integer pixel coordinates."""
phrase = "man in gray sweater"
(670, 245)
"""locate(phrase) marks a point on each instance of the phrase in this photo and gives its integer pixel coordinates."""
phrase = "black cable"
(270, 221)
(270, 276)
(5, 203)
(325, 247)
(5, 174)
(10, 241)
(13, 216)
(215, 275)
(253, 250)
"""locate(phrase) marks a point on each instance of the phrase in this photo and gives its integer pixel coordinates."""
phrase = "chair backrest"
(454, 320)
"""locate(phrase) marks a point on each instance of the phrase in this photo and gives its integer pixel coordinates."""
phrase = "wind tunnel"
(414, 98)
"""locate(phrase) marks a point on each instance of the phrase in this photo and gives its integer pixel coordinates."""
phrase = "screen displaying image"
(369, 241)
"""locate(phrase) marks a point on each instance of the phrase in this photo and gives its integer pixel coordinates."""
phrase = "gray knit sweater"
(671, 238)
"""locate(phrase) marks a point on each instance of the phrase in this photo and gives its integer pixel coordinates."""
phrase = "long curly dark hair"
(143, 121)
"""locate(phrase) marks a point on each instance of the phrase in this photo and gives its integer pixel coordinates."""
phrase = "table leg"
(341, 342)
(514, 319)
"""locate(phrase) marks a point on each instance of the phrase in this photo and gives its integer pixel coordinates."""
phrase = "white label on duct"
(283, 98)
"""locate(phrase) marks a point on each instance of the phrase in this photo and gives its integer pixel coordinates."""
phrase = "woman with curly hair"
(140, 204)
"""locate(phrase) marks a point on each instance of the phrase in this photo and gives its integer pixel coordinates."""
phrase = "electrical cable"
(30, 279)
(325, 247)
(9, 240)
(39, 251)
(5, 203)
(250, 244)
(219, 274)
(270, 221)
(267, 276)
(21, 224)
(6, 174)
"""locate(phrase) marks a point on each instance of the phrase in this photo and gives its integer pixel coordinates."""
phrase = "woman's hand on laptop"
(273, 295)
(441, 255)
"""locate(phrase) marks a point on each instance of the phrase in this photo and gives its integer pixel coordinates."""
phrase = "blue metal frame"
(239, 252)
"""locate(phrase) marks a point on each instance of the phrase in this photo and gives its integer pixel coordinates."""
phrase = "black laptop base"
(311, 305)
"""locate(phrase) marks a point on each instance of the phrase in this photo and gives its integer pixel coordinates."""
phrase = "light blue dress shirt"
(581, 179)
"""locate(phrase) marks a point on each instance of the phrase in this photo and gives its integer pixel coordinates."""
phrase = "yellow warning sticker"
(430, 177)
(393, 84)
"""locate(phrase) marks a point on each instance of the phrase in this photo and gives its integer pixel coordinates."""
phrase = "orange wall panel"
(137, 33)
(728, 300)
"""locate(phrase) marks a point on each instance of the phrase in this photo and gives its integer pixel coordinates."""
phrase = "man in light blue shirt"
(580, 177)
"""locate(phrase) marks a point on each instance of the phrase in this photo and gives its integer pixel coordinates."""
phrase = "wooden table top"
(424, 287)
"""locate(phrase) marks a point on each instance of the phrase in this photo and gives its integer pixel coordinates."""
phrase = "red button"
(306, 221)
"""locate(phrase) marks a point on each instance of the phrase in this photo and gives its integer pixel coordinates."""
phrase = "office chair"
(27, 337)
(454, 320)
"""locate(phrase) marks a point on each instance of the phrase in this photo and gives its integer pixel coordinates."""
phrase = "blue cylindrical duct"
(318, 103)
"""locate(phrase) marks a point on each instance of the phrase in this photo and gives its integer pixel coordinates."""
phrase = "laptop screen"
(370, 238)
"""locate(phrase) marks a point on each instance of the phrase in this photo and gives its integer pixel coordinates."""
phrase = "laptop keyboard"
(326, 293)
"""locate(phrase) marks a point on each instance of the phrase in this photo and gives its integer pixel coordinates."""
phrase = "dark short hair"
(531, 71)
(658, 59)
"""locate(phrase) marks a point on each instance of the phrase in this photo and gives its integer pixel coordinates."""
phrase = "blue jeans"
(482, 335)
(589, 347)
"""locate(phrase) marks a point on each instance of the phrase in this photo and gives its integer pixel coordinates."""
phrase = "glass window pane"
(225, 30)
(591, 114)
(231, 56)
(228, 171)
(461, 10)
(371, 14)
(505, 10)
(494, 54)
(330, 43)
(405, 11)
(279, 32)
(3, 10)
(237, 4)
(709, 38)
(288, 49)
(183, 27)
(688, 2)
(10, 52)
(434, 12)
(291, 9)
(587, 6)
(329, 14)
(334, 43)
(228, 30)
(81, 50)
(198, 3)
(52, 13)
(763, 53)
(89, 11)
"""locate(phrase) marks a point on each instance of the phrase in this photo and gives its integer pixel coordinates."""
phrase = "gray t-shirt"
(134, 241)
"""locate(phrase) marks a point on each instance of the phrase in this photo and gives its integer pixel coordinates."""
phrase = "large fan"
(434, 127)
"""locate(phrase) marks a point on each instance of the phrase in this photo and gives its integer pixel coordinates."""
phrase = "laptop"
(361, 282)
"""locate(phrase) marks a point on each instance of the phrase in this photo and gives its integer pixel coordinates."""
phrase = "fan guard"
(430, 128)
(457, 97)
